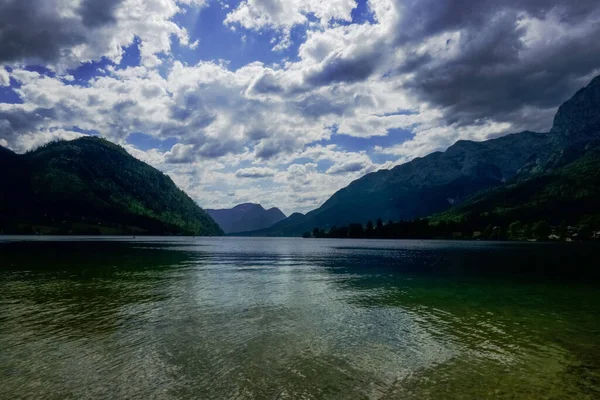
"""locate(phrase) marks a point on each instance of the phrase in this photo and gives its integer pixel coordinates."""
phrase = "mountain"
(246, 217)
(578, 119)
(90, 185)
(566, 193)
(568, 186)
(427, 185)
(442, 180)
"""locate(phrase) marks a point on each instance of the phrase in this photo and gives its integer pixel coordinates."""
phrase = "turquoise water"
(190, 318)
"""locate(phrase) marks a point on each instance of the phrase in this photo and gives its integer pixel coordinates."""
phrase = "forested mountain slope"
(91, 185)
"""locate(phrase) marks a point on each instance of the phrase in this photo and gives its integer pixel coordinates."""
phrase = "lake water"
(233, 318)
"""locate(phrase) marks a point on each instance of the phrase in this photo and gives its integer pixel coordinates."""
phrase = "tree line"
(465, 229)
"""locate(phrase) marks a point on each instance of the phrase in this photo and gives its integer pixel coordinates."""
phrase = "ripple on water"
(241, 319)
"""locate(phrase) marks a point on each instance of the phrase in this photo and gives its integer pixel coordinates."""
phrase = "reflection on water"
(290, 318)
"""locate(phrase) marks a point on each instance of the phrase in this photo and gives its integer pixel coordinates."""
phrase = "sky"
(284, 102)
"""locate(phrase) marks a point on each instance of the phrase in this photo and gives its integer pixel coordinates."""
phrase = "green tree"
(585, 232)
(318, 233)
(356, 231)
(497, 233)
(541, 230)
(515, 230)
(487, 232)
(562, 230)
(379, 228)
(527, 231)
(370, 229)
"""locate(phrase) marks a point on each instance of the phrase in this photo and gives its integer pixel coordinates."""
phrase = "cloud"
(4, 77)
(64, 34)
(340, 68)
(95, 13)
(435, 17)
(511, 63)
(265, 84)
(16, 121)
(180, 154)
(506, 61)
(357, 80)
(348, 166)
(255, 173)
(278, 14)
(282, 15)
(29, 141)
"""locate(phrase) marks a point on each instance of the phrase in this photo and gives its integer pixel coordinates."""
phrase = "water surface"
(188, 318)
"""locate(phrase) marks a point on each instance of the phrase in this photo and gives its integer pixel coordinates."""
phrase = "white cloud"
(282, 15)
(435, 136)
(29, 141)
(4, 77)
(255, 173)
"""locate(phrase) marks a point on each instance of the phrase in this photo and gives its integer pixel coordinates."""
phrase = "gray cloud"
(332, 103)
(32, 29)
(347, 167)
(20, 121)
(255, 173)
(266, 84)
(180, 154)
(123, 106)
(41, 30)
(488, 73)
(270, 147)
(188, 105)
(424, 18)
(97, 13)
(354, 68)
(219, 147)
(497, 75)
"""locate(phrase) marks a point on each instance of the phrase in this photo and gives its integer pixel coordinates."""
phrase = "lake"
(252, 318)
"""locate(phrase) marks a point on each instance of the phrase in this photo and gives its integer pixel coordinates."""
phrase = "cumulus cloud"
(17, 121)
(66, 33)
(180, 154)
(255, 173)
(282, 15)
(4, 77)
(359, 78)
(507, 61)
(256, 14)
(510, 62)
(348, 166)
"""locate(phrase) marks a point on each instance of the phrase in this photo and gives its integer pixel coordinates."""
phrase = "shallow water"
(253, 318)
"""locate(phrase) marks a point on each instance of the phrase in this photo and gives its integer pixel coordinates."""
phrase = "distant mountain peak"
(248, 206)
(246, 217)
